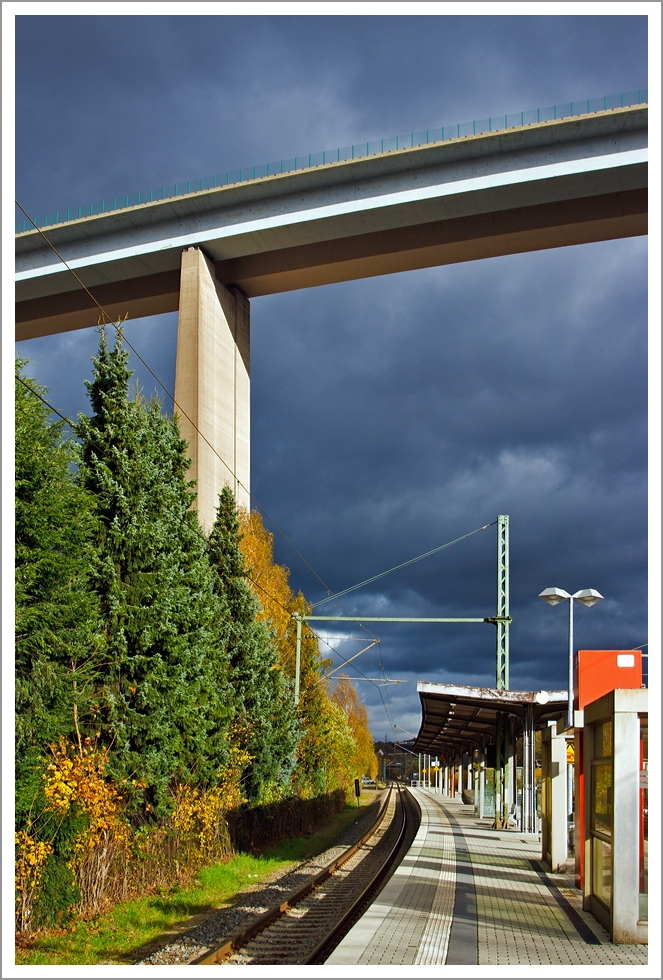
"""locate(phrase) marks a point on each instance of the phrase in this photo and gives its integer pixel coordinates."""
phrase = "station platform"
(466, 894)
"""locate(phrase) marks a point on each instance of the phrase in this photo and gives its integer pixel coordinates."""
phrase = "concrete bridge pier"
(212, 383)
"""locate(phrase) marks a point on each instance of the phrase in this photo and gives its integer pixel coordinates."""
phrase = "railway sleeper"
(315, 902)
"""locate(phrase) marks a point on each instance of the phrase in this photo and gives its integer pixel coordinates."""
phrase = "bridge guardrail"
(354, 151)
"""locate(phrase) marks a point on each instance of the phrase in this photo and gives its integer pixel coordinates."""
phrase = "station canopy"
(464, 718)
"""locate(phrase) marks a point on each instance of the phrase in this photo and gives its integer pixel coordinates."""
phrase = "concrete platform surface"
(469, 895)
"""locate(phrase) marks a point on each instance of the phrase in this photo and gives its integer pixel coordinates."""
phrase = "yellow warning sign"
(570, 754)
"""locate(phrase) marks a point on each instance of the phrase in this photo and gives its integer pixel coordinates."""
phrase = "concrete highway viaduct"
(545, 185)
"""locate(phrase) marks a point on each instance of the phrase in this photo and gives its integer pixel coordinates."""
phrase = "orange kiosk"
(596, 673)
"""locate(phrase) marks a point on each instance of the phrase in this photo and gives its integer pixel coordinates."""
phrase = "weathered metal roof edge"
(487, 693)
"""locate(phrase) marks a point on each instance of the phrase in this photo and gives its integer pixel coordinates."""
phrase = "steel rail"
(336, 934)
(239, 938)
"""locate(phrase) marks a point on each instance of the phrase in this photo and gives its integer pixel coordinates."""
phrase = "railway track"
(311, 921)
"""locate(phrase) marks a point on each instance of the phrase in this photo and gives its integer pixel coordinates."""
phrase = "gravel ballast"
(205, 931)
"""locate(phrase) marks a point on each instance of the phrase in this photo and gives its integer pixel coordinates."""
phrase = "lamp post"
(588, 597)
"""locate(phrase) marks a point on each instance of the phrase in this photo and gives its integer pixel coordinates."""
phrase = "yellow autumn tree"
(268, 580)
(345, 695)
(329, 754)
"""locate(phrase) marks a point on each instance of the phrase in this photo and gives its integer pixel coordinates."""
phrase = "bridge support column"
(212, 383)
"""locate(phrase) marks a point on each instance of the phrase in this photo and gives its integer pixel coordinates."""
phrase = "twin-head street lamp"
(588, 597)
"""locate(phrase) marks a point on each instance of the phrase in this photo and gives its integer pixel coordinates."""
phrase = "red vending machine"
(596, 672)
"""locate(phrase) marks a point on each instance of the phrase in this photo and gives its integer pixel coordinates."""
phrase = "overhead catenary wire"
(322, 639)
(47, 403)
(405, 730)
(337, 596)
(344, 638)
(118, 327)
(387, 706)
(69, 422)
(316, 635)
(253, 582)
(404, 564)
(372, 644)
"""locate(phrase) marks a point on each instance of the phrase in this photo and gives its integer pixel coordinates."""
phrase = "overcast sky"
(392, 414)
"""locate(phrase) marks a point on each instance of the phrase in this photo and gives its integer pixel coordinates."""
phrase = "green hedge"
(253, 828)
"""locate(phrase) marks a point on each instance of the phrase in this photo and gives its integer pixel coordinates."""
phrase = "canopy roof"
(462, 718)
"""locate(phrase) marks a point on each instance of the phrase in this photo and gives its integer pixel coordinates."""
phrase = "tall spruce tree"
(265, 719)
(165, 699)
(56, 611)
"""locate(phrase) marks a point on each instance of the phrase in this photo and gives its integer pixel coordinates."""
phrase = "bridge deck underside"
(560, 183)
(508, 232)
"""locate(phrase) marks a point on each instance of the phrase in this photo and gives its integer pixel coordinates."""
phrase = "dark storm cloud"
(112, 105)
(404, 412)
(394, 414)
(451, 375)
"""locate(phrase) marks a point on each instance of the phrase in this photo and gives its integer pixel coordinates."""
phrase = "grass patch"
(304, 847)
(112, 937)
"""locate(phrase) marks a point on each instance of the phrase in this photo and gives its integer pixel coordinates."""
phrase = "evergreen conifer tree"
(165, 696)
(56, 611)
(265, 719)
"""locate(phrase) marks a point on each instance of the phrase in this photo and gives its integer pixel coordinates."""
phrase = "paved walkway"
(466, 894)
